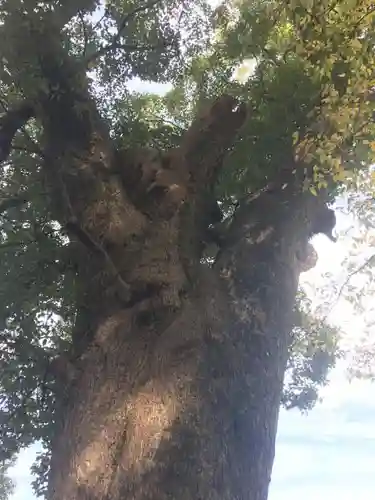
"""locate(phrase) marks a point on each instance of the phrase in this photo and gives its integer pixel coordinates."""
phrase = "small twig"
(129, 47)
(366, 263)
(84, 32)
(106, 12)
(366, 14)
(9, 416)
(13, 244)
(85, 238)
(27, 150)
(14, 201)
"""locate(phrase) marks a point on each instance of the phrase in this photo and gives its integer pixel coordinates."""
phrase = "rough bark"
(174, 383)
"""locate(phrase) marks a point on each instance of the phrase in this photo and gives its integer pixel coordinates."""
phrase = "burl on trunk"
(173, 385)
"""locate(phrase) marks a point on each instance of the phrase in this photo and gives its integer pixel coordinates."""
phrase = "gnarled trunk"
(182, 402)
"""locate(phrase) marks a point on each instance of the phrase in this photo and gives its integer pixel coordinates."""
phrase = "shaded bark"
(184, 402)
(174, 383)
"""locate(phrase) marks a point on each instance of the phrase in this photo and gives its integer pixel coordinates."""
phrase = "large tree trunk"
(183, 402)
(174, 383)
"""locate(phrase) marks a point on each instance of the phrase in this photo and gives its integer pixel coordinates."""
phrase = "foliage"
(309, 96)
(354, 288)
(6, 484)
(314, 352)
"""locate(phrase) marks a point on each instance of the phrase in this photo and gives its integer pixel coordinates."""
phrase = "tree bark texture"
(174, 383)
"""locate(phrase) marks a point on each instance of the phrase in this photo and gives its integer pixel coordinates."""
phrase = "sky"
(328, 453)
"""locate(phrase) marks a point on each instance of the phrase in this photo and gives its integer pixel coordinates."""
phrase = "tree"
(163, 364)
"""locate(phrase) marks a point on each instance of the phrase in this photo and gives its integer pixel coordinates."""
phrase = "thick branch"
(199, 158)
(10, 123)
(78, 151)
(210, 136)
(288, 217)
